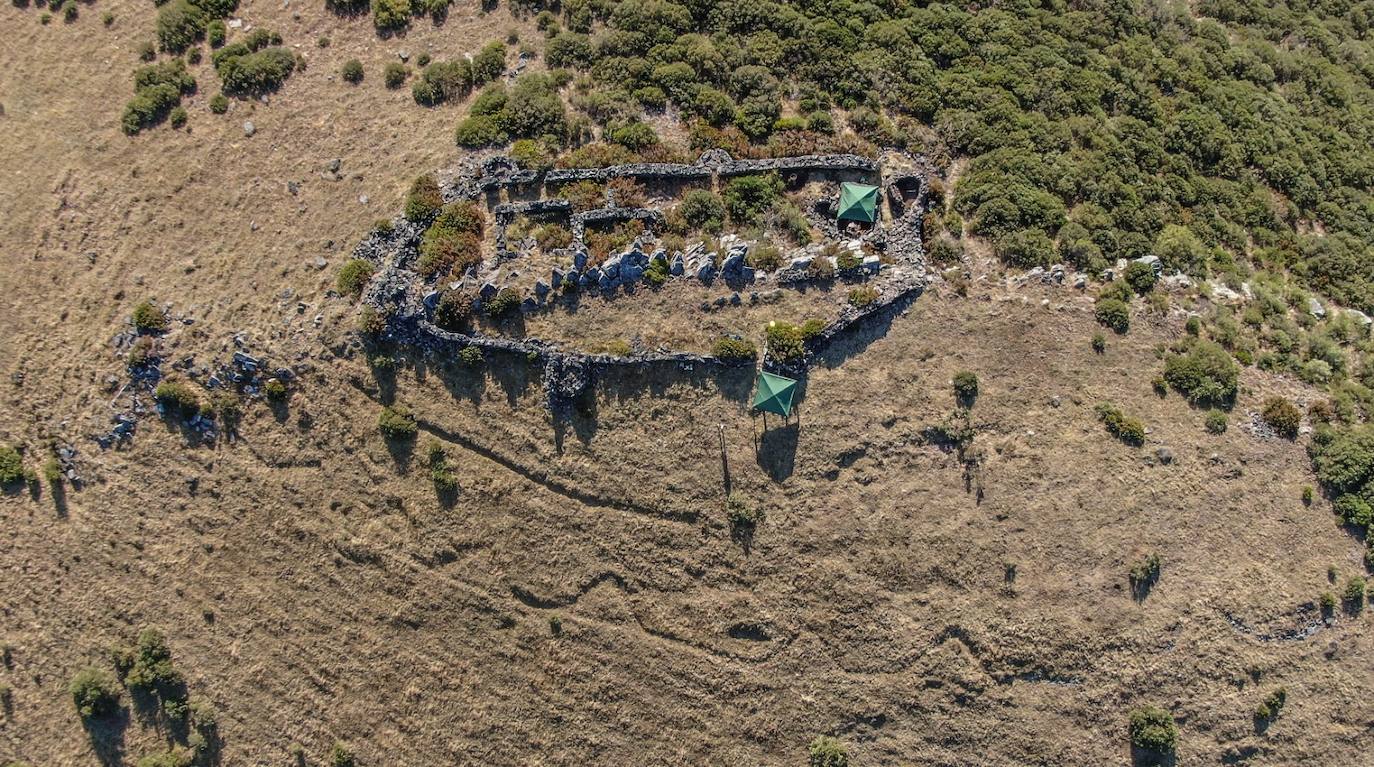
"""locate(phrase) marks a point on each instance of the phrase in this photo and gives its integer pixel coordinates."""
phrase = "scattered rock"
(1165, 455)
(249, 128)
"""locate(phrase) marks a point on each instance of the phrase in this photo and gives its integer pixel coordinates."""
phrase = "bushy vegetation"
(1273, 703)
(11, 466)
(424, 198)
(390, 15)
(731, 349)
(785, 341)
(1282, 416)
(95, 692)
(747, 197)
(701, 210)
(158, 89)
(352, 71)
(148, 318)
(443, 476)
(863, 296)
(454, 311)
(531, 108)
(741, 513)
(503, 303)
(178, 398)
(442, 81)
(1153, 729)
(1114, 313)
(825, 751)
(1215, 421)
(353, 277)
(396, 422)
(453, 242)
(1203, 373)
(965, 386)
(1125, 428)
(259, 64)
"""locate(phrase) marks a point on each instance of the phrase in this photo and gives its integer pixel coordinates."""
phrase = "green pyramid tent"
(858, 202)
(775, 394)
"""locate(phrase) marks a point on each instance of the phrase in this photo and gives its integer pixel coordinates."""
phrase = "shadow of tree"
(107, 737)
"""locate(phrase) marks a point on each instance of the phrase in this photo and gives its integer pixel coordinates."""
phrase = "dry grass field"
(314, 588)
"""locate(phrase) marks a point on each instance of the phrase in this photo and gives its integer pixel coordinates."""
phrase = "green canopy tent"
(858, 202)
(774, 394)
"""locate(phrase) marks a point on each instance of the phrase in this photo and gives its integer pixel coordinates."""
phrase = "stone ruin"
(399, 293)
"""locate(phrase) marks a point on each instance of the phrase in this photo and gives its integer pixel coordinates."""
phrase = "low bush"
(219, 103)
(965, 386)
(1125, 428)
(1281, 415)
(276, 390)
(95, 692)
(1113, 313)
(252, 66)
(178, 398)
(1099, 343)
(812, 328)
(179, 25)
(784, 341)
(470, 356)
(477, 131)
(1144, 573)
(846, 261)
(764, 257)
(396, 422)
(489, 63)
(390, 15)
(1140, 276)
(454, 311)
(453, 242)
(148, 318)
(731, 349)
(394, 74)
(142, 352)
(1353, 594)
(443, 81)
(1203, 373)
(1269, 709)
(863, 297)
(656, 274)
(747, 197)
(820, 268)
(503, 303)
(216, 33)
(1153, 729)
(424, 198)
(827, 752)
(352, 71)
(552, 236)
(1215, 421)
(702, 210)
(440, 473)
(741, 513)
(177, 117)
(11, 466)
(148, 667)
(353, 277)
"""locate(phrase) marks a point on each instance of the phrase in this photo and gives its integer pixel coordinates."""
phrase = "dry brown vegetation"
(315, 588)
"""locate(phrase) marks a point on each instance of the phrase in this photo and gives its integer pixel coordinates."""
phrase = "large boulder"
(706, 270)
(580, 260)
(676, 268)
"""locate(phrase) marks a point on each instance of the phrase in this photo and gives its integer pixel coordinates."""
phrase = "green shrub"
(148, 318)
(1193, 326)
(95, 692)
(1125, 428)
(1144, 573)
(341, 755)
(1283, 416)
(276, 390)
(352, 71)
(353, 277)
(178, 397)
(394, 74)
(847, 260)
(177, 117)
(1113, 314)
(731, 349)
(764, 257)
(1354, 591)
(248, 67)
(179, 25)
(741, 513)
(477, 131)
(216, 33)
(503, 303)
(863, 297)
(148, 107)
(1153, 729)
(747, 197)
(784, 341)
(1099, 343)
(424, 199)
(1307, 495)
(821, 269)
(70, 11)
(454, 311)
(1272, 705)
(11, 466)
(453, 242)
(827, 752)
(1215, 421)
(396, 422)
(219, 104)
(489, 63)
(1026, 248)
(1204, 374)
(965, 386)
(390, 15)
(1140, 276)
(656, 274)
(702, 210)
(443, 81)
(812, 328)
(470, 356)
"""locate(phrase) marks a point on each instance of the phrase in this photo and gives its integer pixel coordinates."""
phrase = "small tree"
(352, 71)
(396, 422)
(1153, 729)
(95, 692)
(965, 387)
(353, 277)
(1114, 314)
